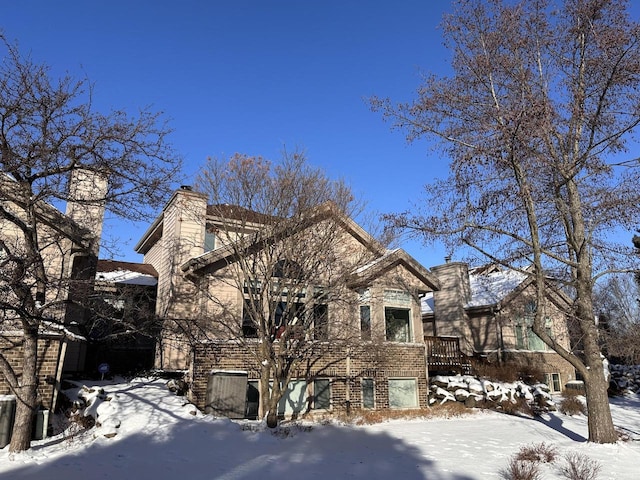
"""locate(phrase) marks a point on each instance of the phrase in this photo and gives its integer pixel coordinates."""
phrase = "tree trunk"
(26, 394)
(601, 429)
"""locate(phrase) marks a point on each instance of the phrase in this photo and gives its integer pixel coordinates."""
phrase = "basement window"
(403, 393)
(321, 394)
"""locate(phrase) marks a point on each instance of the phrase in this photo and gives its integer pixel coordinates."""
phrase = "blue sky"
(253, 76)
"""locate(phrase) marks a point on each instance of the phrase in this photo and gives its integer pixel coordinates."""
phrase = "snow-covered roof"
(376, 261)
(492, 288)
(127, 277)
(129, 273)
(486, 289)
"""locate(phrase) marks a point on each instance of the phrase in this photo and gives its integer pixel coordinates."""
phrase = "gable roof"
(489, 287)
(236, 212)
(493, 286)
(390, 259)
(221, 257)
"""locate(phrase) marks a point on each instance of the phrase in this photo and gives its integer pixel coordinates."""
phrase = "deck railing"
(443, 353)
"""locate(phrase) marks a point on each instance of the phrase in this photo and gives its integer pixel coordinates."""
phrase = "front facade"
(339, 301)
(490, 312)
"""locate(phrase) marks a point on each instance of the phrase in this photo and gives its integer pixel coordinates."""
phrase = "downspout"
(494, 313)
(348, 383)
(58, 379)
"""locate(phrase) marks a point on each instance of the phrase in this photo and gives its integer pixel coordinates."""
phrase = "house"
(68, 244)
(488, 312)
(350, 306)
(122, 328)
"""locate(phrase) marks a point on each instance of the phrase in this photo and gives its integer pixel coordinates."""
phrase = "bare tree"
(286, 242)
(535, 119)
(54, 149)
(618, 300)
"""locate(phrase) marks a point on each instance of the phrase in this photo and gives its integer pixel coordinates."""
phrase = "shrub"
(366, 417)
(506, 372)
(531, 373)
(520, 406)
(571, 404)
(580, 467)
(537, 453)
(520, 470)
(509, 371)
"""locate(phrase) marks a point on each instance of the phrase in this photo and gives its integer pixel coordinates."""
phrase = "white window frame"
(410, 324)
(550, 380)
(415, 404)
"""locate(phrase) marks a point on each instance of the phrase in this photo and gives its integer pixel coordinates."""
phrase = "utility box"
(7, 415)
(41, 425)
(227, 393)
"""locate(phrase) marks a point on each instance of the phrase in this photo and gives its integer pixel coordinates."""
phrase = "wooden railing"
(443, 353)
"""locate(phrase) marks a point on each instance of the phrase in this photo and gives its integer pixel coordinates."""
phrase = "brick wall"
(378, 361)
(48, 352)
(546, 362)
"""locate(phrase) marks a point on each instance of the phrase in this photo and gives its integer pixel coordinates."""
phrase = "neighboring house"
(122, 328)
(384, 368)
(69, 244)
(489, 312)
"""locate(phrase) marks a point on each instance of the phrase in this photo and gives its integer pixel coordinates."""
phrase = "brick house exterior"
(69, 244)
(50, 349)
(381, 369)
(490, 310)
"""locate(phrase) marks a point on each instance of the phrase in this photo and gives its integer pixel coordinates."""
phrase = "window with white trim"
(403, 393)
(553, 381)
(397, 324)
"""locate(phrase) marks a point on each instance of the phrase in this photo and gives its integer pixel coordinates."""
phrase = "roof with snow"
(129, 273)
(488, 287)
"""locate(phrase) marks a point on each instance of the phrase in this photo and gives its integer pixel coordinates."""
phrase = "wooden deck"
(443, 354)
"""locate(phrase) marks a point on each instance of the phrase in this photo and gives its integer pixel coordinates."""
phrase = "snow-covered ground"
(161, 437)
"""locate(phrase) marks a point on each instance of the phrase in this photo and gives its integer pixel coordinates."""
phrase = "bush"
(506, 372)
(366, 417)
(571, 404)
(520, 470)
(509, 371)
(520, 406)
(537, 453)
(580, 467)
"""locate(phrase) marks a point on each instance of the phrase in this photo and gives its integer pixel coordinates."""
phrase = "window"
(553, 380)
(320, 322)
(526, 339)
(249, 327)
(368, 393)
(398, 326)
(321, 394)
(365, 322)
(287, 269)
(209, 241)
(403, 393)
(294, 399)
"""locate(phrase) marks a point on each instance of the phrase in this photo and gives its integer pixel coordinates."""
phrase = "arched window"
(287, 269)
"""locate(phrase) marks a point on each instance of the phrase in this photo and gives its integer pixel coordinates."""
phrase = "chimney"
(450, 300)
(86, 202)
